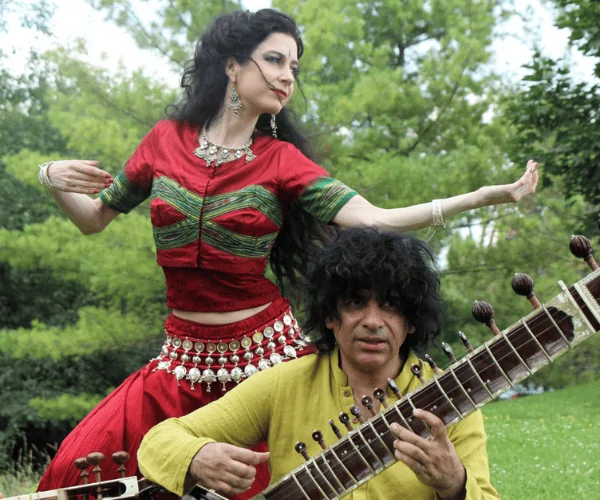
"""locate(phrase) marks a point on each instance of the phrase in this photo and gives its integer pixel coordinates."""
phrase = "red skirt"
(197, 364)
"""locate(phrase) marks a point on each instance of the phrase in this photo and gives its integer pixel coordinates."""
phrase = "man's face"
(369, 334)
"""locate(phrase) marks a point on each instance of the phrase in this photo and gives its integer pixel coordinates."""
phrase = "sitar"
(509, 357)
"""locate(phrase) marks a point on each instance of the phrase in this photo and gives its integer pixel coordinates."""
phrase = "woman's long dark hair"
(205, 83)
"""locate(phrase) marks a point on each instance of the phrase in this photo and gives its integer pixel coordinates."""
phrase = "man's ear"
(231, 69)
(411, 328)
(329, 322)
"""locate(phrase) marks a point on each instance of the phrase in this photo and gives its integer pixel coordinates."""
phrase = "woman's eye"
(273, 59)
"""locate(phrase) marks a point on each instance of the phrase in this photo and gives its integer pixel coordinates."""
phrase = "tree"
(557, 116)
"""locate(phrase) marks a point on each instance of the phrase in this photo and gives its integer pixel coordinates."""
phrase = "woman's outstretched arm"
(73, 180)
(358, 211)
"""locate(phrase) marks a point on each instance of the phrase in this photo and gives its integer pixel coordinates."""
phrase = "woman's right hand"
(78, 176)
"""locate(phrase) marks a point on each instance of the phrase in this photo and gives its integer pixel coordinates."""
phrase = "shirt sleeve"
(240, 417)
(132, 186)
(304, 181)
(468, 437)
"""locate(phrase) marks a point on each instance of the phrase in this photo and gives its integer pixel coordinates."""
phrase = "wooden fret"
(448, 399)
(321, 459)
(352, 482)
(394, 410)
(460, 386)
(354, 462)
(314, 480)
(389, 443)
(521, 360)
(359, 432)
(524, 323)
(483, 384)
(378, 445)
(364, 450)
(498, 365)
(302, 490)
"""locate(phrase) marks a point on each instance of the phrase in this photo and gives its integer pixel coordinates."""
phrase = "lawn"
(546, 446)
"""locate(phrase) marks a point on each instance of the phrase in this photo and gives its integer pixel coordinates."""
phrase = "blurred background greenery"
(402, 104)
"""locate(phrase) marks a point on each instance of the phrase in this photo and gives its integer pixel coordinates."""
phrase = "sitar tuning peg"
(465, 341)
(367, 402)
(355, 410)
(335, 429)
(119, 458)
(417, 372)
(318, 437)
(345, 419)
(522, 284)
(301, 448)
(449, 352)
(581, 248)
(432, 364)
(94, 459)
(395, 389)
(82, 464)
(484, 313)
(380, 395)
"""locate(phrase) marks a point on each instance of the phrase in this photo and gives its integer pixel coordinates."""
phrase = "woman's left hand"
(511, 193)
(433, 460)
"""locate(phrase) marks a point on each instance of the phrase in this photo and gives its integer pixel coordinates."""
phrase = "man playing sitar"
(372, 296)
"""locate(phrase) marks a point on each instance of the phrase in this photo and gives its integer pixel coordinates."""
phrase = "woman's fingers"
(78, 176)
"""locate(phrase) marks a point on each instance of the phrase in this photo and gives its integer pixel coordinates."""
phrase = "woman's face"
(266, 82)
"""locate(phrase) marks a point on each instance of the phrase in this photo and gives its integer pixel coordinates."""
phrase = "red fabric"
(200, 277)
(167, 151)
(197, 289)
(146, 398)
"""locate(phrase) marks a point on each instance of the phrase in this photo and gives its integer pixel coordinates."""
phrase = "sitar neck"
(511, 356)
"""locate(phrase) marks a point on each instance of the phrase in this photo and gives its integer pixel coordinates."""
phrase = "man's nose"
(372, 317)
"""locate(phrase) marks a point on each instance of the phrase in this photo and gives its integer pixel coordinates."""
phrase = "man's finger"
(412, 451)
(248, 457)
(437, 427)
(409, 436)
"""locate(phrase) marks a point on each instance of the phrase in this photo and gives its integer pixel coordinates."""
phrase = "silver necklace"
(211, 152)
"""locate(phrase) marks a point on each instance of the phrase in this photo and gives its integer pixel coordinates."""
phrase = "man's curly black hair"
(396, 268)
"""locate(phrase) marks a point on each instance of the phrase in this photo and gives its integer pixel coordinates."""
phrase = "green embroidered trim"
(191, 205)
(123, 196)
(324, 198)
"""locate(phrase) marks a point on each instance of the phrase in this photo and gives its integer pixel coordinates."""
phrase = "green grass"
(546, 446)
(19, 477)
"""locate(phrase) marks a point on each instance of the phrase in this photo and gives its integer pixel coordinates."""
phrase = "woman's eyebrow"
(280, 54)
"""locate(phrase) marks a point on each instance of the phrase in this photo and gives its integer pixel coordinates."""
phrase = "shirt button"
(347, 393)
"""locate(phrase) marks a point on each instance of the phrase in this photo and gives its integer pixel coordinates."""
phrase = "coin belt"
(209, 361)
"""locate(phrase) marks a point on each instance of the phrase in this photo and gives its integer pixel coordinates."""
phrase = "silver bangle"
(43, 176)
(437, 216)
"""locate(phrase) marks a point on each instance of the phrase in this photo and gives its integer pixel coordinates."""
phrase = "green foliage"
(581, 17)
(65, 407)
(546, 447)
(556, 120)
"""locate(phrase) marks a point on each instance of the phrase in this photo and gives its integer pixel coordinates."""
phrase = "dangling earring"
(234, 103)
(274, 126)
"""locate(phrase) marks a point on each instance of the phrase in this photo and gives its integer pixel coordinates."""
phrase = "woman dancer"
(232, 187)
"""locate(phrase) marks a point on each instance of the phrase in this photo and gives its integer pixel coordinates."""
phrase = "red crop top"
(214, 227)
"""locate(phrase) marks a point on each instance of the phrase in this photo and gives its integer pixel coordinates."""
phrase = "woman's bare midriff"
(219, 318)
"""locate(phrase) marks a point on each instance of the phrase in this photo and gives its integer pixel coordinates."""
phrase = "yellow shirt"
(284, 405)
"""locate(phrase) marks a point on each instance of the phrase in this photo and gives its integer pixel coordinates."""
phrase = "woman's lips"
(280, 93)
